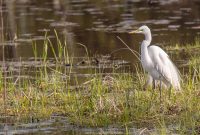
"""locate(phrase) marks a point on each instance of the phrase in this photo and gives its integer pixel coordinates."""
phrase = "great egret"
(157, 63)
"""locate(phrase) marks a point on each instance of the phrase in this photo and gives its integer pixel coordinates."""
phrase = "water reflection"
(60, 125)
(96, 24)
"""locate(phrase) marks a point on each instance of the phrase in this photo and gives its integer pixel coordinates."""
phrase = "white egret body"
(156, 62)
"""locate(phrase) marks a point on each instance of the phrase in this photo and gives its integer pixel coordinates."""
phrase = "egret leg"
(154, 84)
(170, 90)
(160, 90)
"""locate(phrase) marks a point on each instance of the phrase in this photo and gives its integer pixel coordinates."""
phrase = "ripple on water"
(75, 13)
(196, 27)
(175, 17)
(39, 19)
(189, 23)
(23, 40)
(27, 34)
(26, 14)
(9, 43)
(61, 125)
(78, 1)
(159, 22)
(63, 24)
(37, 38)
(173, 27)
(93, 11)
(40, 9)
(43, 30)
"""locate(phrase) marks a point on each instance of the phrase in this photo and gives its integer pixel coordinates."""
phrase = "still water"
(96, 24)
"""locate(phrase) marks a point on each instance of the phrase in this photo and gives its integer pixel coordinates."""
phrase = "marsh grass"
(188, 46)
(116, 99)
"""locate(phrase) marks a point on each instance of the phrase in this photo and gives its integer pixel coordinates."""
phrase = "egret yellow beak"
(134, 31)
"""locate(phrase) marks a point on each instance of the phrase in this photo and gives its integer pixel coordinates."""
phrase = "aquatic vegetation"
(103, 99)
(178, 46)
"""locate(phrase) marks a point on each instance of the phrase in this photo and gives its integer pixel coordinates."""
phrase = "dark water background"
(96, 23)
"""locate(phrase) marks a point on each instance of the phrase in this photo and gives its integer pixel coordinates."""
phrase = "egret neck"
(148, 37)
(145, 58)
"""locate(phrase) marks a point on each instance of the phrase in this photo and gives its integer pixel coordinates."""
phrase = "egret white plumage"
(157, 63)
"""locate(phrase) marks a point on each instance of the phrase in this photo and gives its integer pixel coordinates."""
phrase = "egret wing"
(164, 66)
(160, 61)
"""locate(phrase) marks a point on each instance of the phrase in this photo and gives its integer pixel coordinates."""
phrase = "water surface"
(96, 24)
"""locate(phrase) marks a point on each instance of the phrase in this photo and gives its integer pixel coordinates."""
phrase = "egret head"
(143, 30)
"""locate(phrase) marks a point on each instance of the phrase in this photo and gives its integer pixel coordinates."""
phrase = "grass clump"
(109, 100)
(116, 99)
